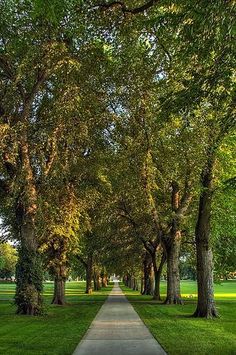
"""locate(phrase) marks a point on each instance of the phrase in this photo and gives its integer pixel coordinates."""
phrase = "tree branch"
(187, 195)
(149, 245)
(9, 165)
(6, 67)
(53, 151)
(81, 260)
(125, 9)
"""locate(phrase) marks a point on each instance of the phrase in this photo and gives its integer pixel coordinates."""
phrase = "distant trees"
(8, 259)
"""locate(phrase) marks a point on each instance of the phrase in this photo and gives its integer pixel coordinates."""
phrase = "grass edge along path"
(179, 333)
(58, 332)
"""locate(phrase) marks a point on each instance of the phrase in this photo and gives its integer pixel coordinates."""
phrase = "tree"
(29, 64)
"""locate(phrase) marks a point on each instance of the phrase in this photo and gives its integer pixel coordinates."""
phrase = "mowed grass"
(57, 332)
(178, 332)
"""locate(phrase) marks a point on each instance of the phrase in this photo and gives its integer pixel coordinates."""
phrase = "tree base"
(146, 293)
(175, 300)
(58, 302)
(206, 313)
(28, 297)
(156, 297)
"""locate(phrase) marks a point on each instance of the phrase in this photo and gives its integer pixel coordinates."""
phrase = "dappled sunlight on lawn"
(75, 291)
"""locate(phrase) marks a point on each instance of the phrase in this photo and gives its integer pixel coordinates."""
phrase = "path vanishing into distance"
(118, 330)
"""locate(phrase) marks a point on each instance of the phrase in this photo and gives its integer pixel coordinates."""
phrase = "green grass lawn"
(179, 333)
(61, 329)
(58, 332)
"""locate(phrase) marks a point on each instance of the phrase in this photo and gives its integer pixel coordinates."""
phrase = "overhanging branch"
(121, 5)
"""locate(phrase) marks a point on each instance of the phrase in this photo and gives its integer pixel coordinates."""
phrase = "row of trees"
(117, 139)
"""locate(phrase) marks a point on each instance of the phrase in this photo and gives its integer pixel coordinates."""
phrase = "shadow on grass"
(138, 300)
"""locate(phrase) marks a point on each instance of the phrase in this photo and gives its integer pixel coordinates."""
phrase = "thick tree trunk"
(156, 291)
(96, 280)
(157, 276)
(205, 305)
(29, 281)
(89, 275)
(59, 292)
(129, 281)
(173, 279)
(148, 274)
(104, 281)
(59, 286)
(104, 278)
(172, 249)
(29, 269)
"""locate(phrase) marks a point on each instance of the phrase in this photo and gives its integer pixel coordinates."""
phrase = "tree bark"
(172, 248)
(129, 281)
(132, 282)
(104, 281)
(59, 286)
(173, 279)
(205, 304)
(104, 278)
(29, 286)
(29, 269)
(147, 272)
(157, 276)
(96, 280)
(125, 280)
(142, 285)
(29, 276)
(89, 275)
(135, 284)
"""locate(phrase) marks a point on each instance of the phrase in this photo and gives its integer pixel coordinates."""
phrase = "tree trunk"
(104, 278)
(142, 285)
(89, 275)
(96, 280)
(157, 277)
(172, 249)
(129, 280)
(99, 285)
(125, 280)
(173, 279)
(59, 286)
(205, 304)
(135, 284)
(147, 272)
(28, 271)
(132, 282)
(59, 292)
(29, 284)
(104, 281)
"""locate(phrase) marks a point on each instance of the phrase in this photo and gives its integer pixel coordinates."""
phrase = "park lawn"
(57, 332)
(179, 333)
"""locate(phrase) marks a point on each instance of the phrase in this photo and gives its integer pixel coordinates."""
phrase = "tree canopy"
(117, 139)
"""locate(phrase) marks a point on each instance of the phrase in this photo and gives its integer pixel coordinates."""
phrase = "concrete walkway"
(118, 330)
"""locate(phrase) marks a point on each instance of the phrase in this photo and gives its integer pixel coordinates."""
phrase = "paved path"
(118, 330)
